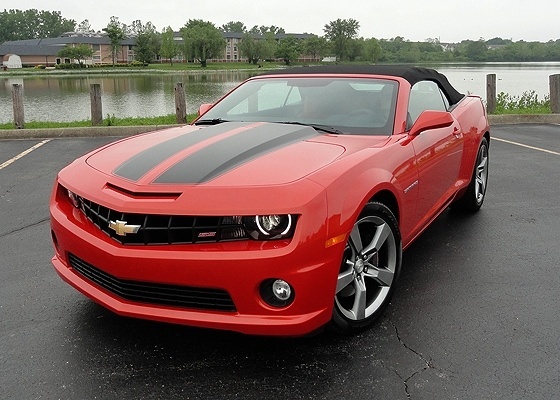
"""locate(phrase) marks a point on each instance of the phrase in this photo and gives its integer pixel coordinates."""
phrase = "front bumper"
(236, 268)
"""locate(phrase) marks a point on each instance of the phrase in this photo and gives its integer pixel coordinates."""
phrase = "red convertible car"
(284, 208)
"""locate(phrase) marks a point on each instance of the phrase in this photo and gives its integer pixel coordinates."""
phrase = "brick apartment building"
(35, 52)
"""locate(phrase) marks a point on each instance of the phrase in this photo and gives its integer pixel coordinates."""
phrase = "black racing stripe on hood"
(234, 151)
(136, 167)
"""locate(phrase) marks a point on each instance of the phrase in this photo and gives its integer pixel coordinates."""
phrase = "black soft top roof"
(411, 74)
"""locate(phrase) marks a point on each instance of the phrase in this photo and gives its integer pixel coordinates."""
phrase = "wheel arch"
(388, 198)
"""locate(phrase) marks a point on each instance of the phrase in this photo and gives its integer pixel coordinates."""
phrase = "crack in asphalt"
(428, 362)
(21, 228)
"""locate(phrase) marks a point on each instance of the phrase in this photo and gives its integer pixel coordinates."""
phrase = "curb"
(120, 131)
(506, 119)
(93, 131)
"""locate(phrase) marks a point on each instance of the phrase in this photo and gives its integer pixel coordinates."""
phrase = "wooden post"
(180, 104)
(96, 106)
(490, 93)
(554, 81)
(17, 99)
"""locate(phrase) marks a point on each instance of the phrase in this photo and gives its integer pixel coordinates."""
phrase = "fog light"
(281, 289)
(277, 292)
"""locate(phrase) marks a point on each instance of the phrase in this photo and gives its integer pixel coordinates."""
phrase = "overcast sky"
(415, 20)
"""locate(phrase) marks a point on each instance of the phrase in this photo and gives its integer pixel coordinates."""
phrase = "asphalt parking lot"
(476, 315)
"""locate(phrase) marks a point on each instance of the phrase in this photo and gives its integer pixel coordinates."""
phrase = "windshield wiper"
(214, 121)
(318, 127)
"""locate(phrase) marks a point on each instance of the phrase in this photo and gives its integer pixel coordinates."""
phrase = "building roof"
(51, 46)
(278, 36)
(69, 39)
(26, 50)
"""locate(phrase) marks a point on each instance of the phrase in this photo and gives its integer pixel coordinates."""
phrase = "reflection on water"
(66, 98)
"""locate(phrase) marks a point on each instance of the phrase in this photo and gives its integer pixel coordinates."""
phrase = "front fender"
(347, 199)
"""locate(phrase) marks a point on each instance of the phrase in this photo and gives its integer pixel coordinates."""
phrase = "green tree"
(84, 27)
(234, 26)
(79, 53)
(267, 46)
(256, 47)
(248, 48)
(33, 24)
(354, 49)
(148, 41)
(391, 48)
(143, 50)
(409, 53)
(117, 32)
(476, 50)
(202, 41)
(498, 41)
(169, 47)
(288, 49)
(137, 28)
(263, 30)
(315, 47)
(371, 50)
(340, 33)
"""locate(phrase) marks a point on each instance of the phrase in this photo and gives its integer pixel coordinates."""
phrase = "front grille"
(164, 229)
(155, 293)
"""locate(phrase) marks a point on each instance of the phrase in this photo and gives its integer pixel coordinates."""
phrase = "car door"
(438, 151)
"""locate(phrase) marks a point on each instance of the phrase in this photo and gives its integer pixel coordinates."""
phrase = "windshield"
(341, 105)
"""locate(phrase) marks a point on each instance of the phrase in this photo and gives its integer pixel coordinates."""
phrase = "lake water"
(66, 97)
(512, 78)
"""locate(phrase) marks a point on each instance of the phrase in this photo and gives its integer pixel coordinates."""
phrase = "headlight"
(74, 199)
(267, 227)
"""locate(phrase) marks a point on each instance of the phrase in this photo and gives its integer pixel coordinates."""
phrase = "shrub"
(527, 103)
(67, 66)
(110, 120)
(137, 63)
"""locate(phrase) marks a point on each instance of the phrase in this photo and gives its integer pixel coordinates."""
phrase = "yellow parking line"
(23, 154)
(527, 146)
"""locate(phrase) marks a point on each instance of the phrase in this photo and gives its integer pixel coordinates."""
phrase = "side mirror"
(203, 108)
(431, 120)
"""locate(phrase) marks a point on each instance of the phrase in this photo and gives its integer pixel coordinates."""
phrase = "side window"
(425, 95)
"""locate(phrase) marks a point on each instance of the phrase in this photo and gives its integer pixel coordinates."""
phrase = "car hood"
(233, 153)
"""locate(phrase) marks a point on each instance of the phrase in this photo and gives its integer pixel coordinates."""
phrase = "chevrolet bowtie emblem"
(122, 228)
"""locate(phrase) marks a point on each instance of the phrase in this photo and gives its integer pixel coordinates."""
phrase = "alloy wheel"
(368, 268)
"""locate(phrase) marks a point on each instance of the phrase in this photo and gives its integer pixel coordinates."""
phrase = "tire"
(472, 199)
(369, 269)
